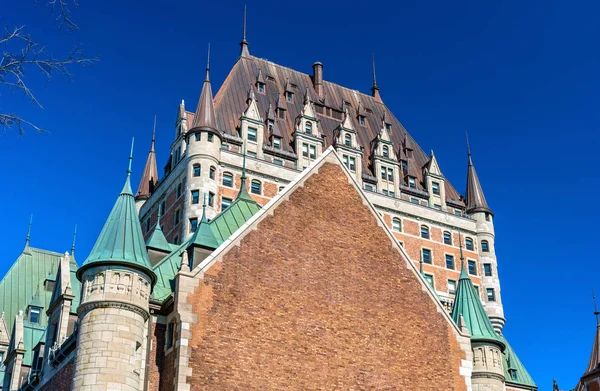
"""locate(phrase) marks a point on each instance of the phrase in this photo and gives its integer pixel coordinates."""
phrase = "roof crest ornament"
(207, 78)
(596, 313)
(74, 238)
(130, 158)
(28, 237)
(375, 88)
(244, 52)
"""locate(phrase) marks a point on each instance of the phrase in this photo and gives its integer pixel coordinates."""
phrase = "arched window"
(386, 151)
(485, 246)
(228, 179)
(396, 225)
(256, 187)
(447, 238)
(348, 140)
(211, 175)
(196, 170)
(469, 244)
(308, 128)
(424, 232)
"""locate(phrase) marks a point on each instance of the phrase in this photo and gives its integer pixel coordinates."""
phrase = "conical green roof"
(157, 239)
(121, 240)
(204, 236)
(468, 304)
(511, 361)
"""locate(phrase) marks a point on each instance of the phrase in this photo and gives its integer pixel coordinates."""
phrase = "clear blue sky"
(522, 77)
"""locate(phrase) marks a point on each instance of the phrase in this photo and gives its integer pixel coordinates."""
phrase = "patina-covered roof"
(512, 361)
(157, 239)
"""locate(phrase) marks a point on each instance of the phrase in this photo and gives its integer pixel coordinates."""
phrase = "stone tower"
(468, 312)
(478, 208)
(116, 284)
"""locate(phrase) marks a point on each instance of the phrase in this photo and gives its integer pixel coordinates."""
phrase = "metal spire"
(468, 147)
(203, 219)
(74, 238)
(462, 258)
(207, 78)
(374, 74)
(244, 52)
(154, 132)
(244, 37)
(596, 313)
(130, 158)
(375, 88)
(29, 231)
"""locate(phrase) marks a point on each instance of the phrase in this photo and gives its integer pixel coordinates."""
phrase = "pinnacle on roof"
(244, 52)
(203, 235)
(157, 239)
(28, 237)
(150, 175)
(594, 363)
(432, 165)
(375, 88)
(347, 122)
(243, 191)
(475, 199)
(271, 113)
(205, 116)
(121, 240)
(259, 77)
(468, 304)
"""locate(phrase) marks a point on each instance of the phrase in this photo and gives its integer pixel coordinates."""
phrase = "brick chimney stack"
(318, 79)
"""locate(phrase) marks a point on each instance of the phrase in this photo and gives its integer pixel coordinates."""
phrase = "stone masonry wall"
(61, 380)
(318, 298)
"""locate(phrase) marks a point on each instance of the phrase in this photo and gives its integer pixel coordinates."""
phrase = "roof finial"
(375, 88)
(74, 238)
(596, 313)
(462, 258)
(244, 44)
(207, 78)
(203, 219)
(29, 231)
(468, 145)
(154, 131)
(374, 74)
(243, 181)
(130, 158)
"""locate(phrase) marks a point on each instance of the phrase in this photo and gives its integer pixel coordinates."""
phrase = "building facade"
(299, 238)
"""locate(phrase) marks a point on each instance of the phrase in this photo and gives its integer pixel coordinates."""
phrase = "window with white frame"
(396, 224)
(252, 134)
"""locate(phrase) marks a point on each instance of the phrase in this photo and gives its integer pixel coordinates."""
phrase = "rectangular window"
(289, 96)
(345, 160)
(252, 134)
(281, 113)
(278, 162)
(197, 135)
(404, 167)
(447, 238)
(472, 268)
(193, 224)
(426, 255)
(452, 287)
(469, 244)
(210, 137)
(392, 194)
(487, 269)
(313, 152)
(225, 202)
(260, 87)
(449, 261)
(437, 207)
(435, 188)
(251, 154)
(425, 232)
(412, 182)
(228, 179)
(277, 142)
(177, 217)
(179, 187)
(211, 199)
(352, 164)
(429, 279)
(397, 225)
(305, 150)
(369, 188)
(383, 172)
(414, 200)
(255, 187)
(491, 295)
(361, 120)
(195, 196)
(196, 170)
(148, 224)
(484, 246)
(163, 207)
(35, 315)
(170, 336)
(390, 175)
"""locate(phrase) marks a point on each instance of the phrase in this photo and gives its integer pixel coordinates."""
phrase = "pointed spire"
(150, 175)
(375, 88)
(203, 235)
(243, 193)
(181, 125)
(121, 240)
(157, 239)
(596, 313)
(244, 52)
(594, 363)
(475, 199)
(28, 237)
(205, 116)
(74, 238)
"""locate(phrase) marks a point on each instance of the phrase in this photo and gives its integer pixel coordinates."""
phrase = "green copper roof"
(203, 236)
(468, 304)
(521, 376)
(157, 239)
(166, 270)
(121, 239)
(232, 218)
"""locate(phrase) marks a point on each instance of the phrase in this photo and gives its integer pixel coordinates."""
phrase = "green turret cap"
(468, 304)
(121, 241)
(157, 239)
(204, 236)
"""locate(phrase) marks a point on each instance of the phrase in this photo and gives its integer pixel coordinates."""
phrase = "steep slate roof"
(205, 111)
(230, 102)
(475, 199)
(594, 363)
(468, 304)
(149, 176)
(511, 360)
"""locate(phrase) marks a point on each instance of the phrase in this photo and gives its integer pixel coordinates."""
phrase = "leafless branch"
(8, 121)
(62, 11)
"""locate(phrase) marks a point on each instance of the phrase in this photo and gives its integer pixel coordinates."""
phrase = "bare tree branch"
(63, 13)
(8, 121)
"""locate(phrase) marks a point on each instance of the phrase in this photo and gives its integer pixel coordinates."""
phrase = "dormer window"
(361, 120)
(260, 87)
(289, 96)
(386, 151)
(412, 182)
(435, 188)
(270, 125)
(308, 128)
(388, 127)
(404, 166)
(252, 134)
(281, 113)
(35, 315)
(347, 140)
(277, 142)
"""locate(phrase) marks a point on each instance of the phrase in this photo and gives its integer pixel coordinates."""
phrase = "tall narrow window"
(179, 189)
(260, 87)
(390, 177)
(361, 120)
(177, 217)
(313, 152)
(424, 232)
(452, 287)
(211, 199)
(449, 261)
(485, 246)
(195, 196)
(345, 160)
(170, 332)
(472, 268)
(256, 187)
(148, 224)
(277, 142)
(386, 151)
(252, 134)
(447, 238)
(469, 244)
(348, 140)
(225, 202)
(308, 128)
(193, 224)
(211, 173)
(412, 182)
(429, 279)
(228, 179)
(196, 170)
(352, 164)
(491, 295)
(163, 207)
(487, 269)
(396, 224)
(305, 150)
(383, 172)
(435, 188)
(426, 255)
(289, 96)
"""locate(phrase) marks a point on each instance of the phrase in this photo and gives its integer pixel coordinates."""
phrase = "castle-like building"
(299, 238)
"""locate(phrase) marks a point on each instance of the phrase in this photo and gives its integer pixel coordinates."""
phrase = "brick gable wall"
(61, 380)
(318, 298)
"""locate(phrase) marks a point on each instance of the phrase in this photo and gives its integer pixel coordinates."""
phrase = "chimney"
(318, 79)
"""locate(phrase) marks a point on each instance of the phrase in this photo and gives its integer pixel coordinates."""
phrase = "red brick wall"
(317, 298)
(61, 380)
(156, 356)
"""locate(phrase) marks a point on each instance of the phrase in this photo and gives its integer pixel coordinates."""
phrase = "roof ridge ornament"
(244, 52)
(74, 238)
(375, 88)
(596, 313)
(28, 237)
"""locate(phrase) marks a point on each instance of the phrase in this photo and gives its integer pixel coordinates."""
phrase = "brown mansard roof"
(230, 102)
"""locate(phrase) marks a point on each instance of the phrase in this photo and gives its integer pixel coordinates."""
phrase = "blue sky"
(521, 77)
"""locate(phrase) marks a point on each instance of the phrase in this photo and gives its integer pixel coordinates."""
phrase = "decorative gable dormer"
(261, 87)
(307, 135)
(385, 163)
(252, 126)
(435, 183)
(273, 131)
(346, 144)
(288, 92)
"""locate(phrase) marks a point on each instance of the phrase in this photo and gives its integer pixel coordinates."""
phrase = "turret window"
(225, 202)
(256, 187)
(347, 140)
(386, 151)
(435, 188)
(193, 224)
(412, 182)
(210, 137)
(424, 232)
(449, 261)
(426, 255)
(196, 168)
(211, 199)
(195, 196)
(252, 134)
(308, 128)
(35, 315)
(197, 136)
(485, 246)
(472, 268)
(452, 287)
(487, 269)
(469, 244)
(396, 224)
(211, 173)
(491, 295)
(277, 142)
(228, 179)
(447, 238)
